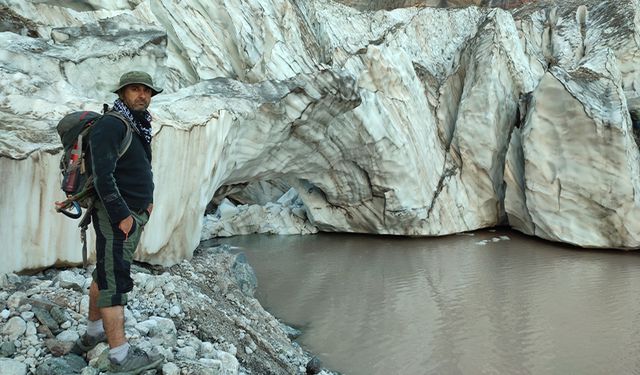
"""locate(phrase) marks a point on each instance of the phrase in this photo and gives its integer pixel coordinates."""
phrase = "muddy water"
(465, 304)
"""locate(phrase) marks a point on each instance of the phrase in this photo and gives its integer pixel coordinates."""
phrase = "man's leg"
(112, 318)
(95, 330)
(113, 321)
(94, 311)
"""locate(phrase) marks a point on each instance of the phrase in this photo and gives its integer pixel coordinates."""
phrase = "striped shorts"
(114, 255)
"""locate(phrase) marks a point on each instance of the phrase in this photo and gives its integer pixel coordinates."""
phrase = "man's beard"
(139, 115)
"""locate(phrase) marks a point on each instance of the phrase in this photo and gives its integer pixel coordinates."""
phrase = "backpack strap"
(84, 223)
(126, 141)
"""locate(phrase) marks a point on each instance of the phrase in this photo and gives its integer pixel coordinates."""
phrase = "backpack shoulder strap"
(126, 142)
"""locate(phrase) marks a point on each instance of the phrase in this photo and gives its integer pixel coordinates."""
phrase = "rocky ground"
(200, 315)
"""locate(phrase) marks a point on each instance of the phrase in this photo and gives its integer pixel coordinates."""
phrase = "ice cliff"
(411, 121)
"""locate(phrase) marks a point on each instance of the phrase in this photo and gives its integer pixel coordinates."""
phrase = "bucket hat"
(138, 77)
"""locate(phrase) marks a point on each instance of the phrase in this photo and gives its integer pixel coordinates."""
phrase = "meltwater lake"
(489, 302)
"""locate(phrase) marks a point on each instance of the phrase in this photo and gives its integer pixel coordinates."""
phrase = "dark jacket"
(124, 184)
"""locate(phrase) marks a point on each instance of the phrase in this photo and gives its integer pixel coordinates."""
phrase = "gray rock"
(7, 349)
(170, 368)
(129, 318)
(92, 371)
(12, 367)
(58, 348)
(230, 364)
(69, 364)
(14, 328)
(16, 299)
(59, 314)
(163, 331)
(186, 353)
(208, 367)
(4, 281)
(291, 332)
(314, 366)
(32, 330)
(45, 318)
(169, 288)
(97, 351)
(207, 350)
(44, 330)
(71, 280)
(69, 335)
(101, 361)
(144, 327)
(244, 275)
(174, 311)
(14, 279)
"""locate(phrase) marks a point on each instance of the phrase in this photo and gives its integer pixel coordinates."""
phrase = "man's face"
(137, 97)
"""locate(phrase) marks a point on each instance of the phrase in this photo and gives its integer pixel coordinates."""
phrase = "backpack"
(75, 165)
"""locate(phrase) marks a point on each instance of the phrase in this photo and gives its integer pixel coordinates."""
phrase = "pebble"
(13, 302)
(186, 353)
(229, 361)
(169, 288)
(68, 335)
(174, 311)
(211, 363)
(31, 329)
(144, 327)
(71, 280)
(5, 314)
(150, 285)
(314, 366)
(170, 368)
(14, 328)
(27, 315)
(4, 280)
(7, 349)
(206, 348)
(12, 366)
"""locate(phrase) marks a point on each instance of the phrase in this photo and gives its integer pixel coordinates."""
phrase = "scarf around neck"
(142, 124)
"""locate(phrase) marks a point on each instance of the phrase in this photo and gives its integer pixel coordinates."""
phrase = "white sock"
(95, 328)
(119, 353)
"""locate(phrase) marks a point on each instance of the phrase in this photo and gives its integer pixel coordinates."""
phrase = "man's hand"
(150, 208)
(125, 226)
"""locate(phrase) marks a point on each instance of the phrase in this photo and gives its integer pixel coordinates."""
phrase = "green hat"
(138, 77)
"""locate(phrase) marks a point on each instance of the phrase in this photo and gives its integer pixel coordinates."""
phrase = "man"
(124, 186)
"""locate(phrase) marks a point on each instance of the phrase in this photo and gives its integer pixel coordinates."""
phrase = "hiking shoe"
(136, 361)
(87, 342)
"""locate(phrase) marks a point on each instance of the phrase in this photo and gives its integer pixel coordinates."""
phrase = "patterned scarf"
(142, 124)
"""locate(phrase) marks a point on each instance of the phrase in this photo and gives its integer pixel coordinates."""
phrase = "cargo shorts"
(114, 255)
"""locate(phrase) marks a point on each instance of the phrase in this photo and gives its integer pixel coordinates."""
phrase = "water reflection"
(387, 305)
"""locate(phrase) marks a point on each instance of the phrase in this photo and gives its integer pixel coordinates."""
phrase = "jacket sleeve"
(105, 141)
